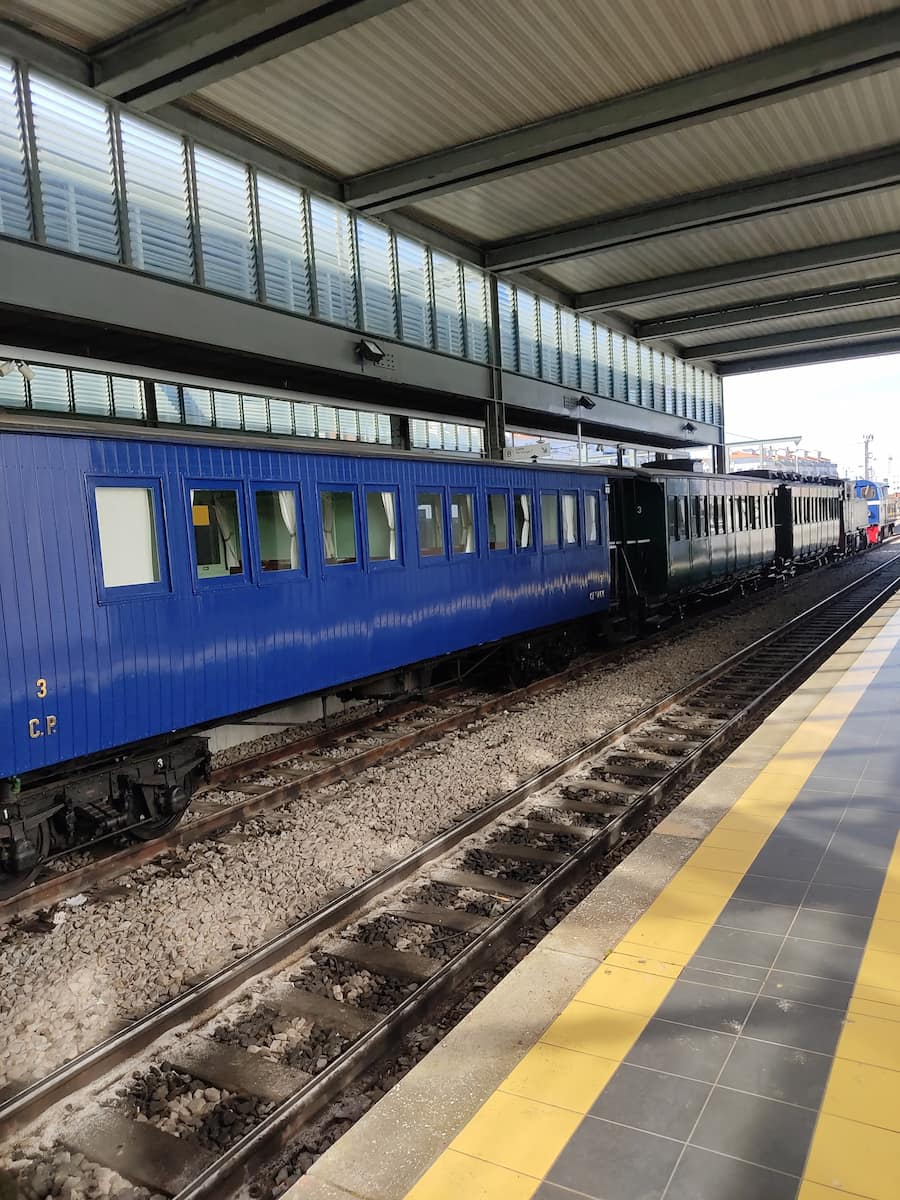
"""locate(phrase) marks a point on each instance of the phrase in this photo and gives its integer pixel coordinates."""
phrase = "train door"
(701, 569)
(679, 528)
(728, 490)
(717, 539)
(741, 537)
(784, 522)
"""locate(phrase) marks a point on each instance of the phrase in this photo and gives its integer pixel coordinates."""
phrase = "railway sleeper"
(504, 889)
(382, 960)
(237, 1070)
(456, 919)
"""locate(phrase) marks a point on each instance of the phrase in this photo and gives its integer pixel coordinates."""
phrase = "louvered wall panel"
(448, 306)
(75, 160)
(285, 245)
(475, 288)
(15, 208)
(376, 272)
(156, 189)
(226, 237)
(332, 239)
(415, 292)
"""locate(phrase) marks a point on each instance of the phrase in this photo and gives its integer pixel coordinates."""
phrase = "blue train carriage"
(882, 508)
(153, 586)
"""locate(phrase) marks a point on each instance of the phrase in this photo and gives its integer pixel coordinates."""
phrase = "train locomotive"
(157, 583)
(882, 508)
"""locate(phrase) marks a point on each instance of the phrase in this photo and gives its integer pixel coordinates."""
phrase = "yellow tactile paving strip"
(505, 1150)
(856, 1143)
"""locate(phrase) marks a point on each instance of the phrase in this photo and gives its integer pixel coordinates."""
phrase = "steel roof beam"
(808, 64)
(788, 305)
(767, 266)
(811, 356)
(204, 43)
(791, 337)
(743, 200)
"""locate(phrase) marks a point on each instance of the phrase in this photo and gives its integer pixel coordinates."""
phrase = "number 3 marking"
(41, 688)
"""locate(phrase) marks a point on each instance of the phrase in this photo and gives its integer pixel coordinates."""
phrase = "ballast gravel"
(65, 985)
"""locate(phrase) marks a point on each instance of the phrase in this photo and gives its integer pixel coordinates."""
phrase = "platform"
(718, 1020)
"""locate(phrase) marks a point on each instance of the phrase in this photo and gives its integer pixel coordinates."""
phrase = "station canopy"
(719, 175)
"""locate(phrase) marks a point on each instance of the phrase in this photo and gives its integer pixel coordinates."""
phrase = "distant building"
(781, 458)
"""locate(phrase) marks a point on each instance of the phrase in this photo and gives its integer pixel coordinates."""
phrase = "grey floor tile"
(756, 916)
(808, 989)
(822, 959)
(884, 792)
(706, 1006)
(549, 1191)
(738, 978)
(779, 1072)
(681, 1050)
(737, 946)
(664, 1104)
(839, 928)
(603, 1160)
(702, 1175)
(833, 898)
(843, 872)
(771, 891)
(788, 857)
(755, 1129)
(861, 847)
(790, 1023)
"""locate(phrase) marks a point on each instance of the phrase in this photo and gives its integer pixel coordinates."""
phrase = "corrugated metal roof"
(833, 348)
(434, 73)
(843, 120)
(862, 312)
(83, 23)
(809, 225)
(763, 289)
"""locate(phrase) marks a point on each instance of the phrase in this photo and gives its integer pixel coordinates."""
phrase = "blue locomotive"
(882, 508)
(157, 582)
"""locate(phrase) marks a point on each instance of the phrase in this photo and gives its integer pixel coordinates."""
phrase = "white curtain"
(525, 531)
(390, 516)
(328, 526)
(466, 526)
(287, 503)
(229, 535)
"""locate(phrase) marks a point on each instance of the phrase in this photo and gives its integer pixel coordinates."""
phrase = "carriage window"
(217, 532)
(498, 521)
(550, 518)
(339, 527)
(591, 519)
(462, 522)
(381, 522)
(570, 519)
(276, 520)
(522, 508)
(126, 522)
(430, 515)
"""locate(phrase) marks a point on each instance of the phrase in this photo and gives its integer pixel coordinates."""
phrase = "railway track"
(469, 892)
(318, 760)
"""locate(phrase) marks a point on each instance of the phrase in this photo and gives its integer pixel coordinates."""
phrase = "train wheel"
(175, 806)
(11, 884)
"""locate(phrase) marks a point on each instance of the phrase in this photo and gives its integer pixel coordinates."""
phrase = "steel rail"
(237, 1166)
(33, 1101)
(46, 892)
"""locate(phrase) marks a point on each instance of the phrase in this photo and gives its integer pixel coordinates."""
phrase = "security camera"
(369, 351)
(25, 370)
(586, 402)
(687, 427)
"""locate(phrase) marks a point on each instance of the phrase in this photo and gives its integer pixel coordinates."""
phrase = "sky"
(831, 406)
